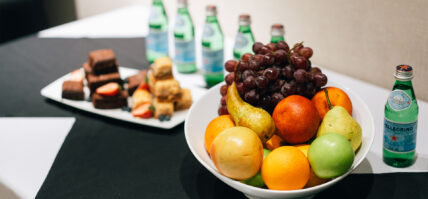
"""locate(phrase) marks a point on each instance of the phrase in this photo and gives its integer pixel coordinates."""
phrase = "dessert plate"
(54, 90)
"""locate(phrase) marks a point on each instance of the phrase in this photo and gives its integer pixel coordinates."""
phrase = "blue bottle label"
(399, 137)
(157, 41)
(179, 21)
(155, 13)
(184, 51)
(212, 60)
(208, 31)
(240, 41)
(399, 100)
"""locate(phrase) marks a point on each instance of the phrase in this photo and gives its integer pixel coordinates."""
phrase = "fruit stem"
(328, 99)
(295, 46)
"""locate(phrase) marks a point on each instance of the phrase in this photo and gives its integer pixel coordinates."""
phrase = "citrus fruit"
(285, 168)
(215, 127)
(237, 153)
(274, 142)
(296, 119)
(337, 97)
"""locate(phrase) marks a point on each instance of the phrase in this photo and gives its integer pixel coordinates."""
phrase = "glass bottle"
(184, 40)
(401, 117)
(244, 40)
(212, 48)
(157, 39)
(277, 33)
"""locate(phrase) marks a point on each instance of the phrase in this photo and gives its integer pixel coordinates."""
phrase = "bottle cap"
(211, 10)
(244, 20)
(277, 30)
(403, 72)
(182, 3)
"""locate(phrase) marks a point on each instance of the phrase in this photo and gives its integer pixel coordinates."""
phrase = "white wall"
(365, 39)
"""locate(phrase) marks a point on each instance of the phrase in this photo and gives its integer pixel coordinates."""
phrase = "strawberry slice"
(144, 85)
(143, 111)
(109, 89)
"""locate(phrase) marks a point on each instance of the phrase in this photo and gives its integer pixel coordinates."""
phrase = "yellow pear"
(246, 115)
(338, 120)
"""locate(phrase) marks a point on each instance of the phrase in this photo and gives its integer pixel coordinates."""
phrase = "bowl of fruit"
(277, 128)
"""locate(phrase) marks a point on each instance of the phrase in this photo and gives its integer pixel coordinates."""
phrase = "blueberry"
(126, 108)
(167, 118)
(161, 118)
(126, 80)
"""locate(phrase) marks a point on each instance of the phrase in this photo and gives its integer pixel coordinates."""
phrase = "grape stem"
(328, 99)
(295, 46)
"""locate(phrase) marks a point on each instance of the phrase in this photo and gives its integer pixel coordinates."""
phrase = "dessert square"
(185, 100)
(135, 80)
(73, 90)
(162, 68)
(95, 81)
(103, 61)
(110, 102)
(140, 97)
(167, 89)
(163, 108)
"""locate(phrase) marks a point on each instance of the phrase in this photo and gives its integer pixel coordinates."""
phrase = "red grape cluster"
(274, 72)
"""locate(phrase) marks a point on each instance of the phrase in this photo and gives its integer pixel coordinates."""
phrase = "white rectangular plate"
(54, 90)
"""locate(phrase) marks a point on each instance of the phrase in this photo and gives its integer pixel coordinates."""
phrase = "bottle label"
(240, 41)
(399, 100)
(212, 60)
(179, 21)
(399, 137)
(208, 31)
(155, 13)
(157, 41)
(184, 51)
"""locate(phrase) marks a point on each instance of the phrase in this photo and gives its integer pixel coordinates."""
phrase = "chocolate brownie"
(95, 81)
(73, 90)
(102, 61)
(87, 69)
(110, 102)
(135, 80)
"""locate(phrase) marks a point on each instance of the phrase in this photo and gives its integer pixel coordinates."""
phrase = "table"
(105, 158)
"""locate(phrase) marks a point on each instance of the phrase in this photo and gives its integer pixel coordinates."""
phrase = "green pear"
(246, 115)
(339, 121)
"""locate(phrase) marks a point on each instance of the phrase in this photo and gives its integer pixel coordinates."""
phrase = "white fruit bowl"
(205, 109)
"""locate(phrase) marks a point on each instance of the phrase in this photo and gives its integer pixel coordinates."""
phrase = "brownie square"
(73, 90)
(95, 81)
(87, 69)
(110, 102)
(135, 80)
(102, 61)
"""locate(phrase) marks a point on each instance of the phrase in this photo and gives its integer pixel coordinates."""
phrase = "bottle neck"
(183, 10)
(244, 29)
(157, 2)
(211, 19)
(399, 82)
(275, 39)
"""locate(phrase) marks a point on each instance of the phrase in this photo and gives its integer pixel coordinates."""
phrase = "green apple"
(257, 179)
(330, 155)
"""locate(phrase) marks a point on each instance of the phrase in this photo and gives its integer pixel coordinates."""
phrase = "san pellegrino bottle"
(401, 117)
(157, 39)
(212, 48)
(244, 40)
(184, 40)
(277, 33)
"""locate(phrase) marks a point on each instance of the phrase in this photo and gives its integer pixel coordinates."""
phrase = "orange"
(313, 179)
(296, 119)
(215, 127)
(337, 97)
(274, 142)
(285, 168)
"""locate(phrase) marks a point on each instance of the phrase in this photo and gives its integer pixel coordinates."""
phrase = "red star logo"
(394, 138)
(405, 67)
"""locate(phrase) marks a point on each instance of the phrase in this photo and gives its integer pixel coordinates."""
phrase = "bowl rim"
(323, 186)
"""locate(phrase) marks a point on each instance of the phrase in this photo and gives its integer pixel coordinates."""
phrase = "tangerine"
(285, 168)
(215, 127)
(337, 97)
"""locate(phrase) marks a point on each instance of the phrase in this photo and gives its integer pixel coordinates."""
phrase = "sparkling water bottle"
(277, 33)
(157, 39)
(401, 117)
(212, 48)
(184, 40)
(244, 40)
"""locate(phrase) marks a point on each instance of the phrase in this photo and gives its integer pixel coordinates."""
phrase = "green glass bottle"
(157, 39)
(277, 33)
(244, 40)
(212, 48)
(184, 40)
(400, 124)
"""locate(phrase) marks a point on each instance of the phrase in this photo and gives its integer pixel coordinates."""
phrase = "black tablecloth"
(107, 158)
